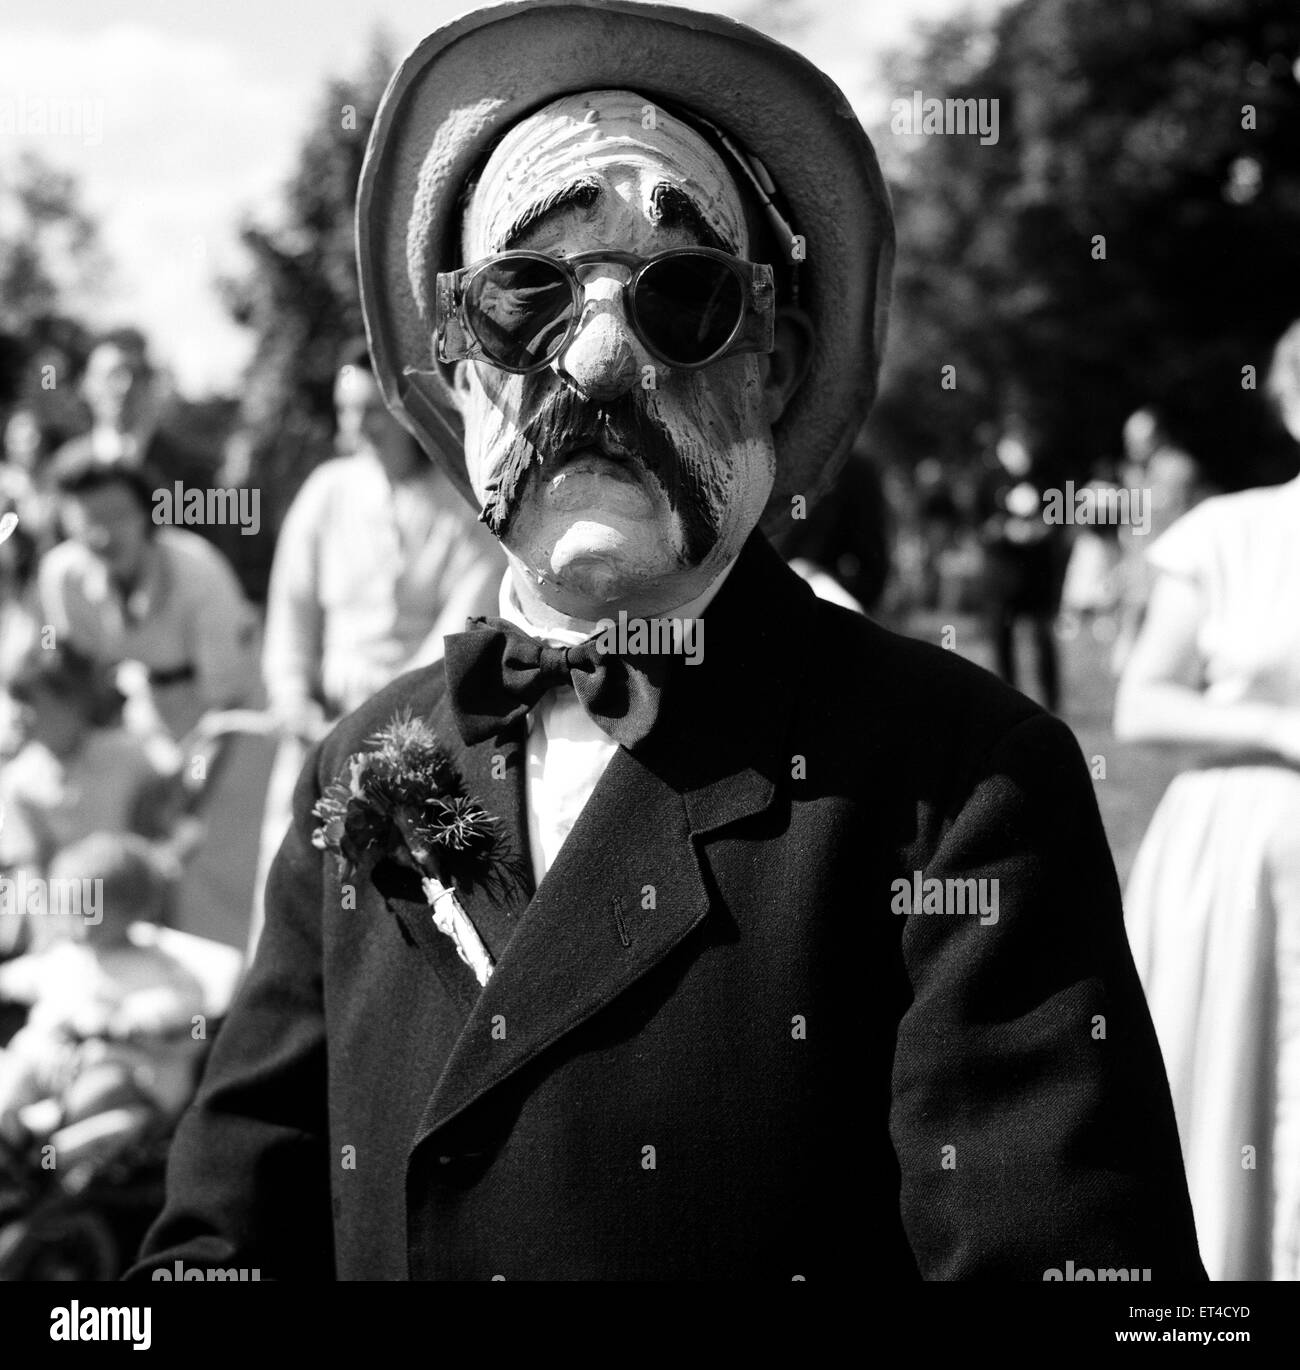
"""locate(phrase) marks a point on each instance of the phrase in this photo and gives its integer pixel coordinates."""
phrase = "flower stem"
(451, 919)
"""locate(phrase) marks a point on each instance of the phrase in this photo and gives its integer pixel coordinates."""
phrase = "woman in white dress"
(1213, 902)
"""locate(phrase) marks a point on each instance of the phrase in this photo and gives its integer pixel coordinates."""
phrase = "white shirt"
(567, 752)
(187, 611)
(368, 576)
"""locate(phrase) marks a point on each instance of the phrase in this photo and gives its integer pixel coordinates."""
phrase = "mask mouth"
(598, 445)
(621, 438)
(611, 464)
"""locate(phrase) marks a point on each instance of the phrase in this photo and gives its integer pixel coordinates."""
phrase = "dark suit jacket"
(710, 1048)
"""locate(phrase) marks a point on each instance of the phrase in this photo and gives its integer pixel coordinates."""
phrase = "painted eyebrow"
(671, 207)
(579, 194)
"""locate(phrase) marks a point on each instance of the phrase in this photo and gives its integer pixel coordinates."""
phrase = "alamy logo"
(682, 637)
(181, 1271)
(214, 508)
(56, 897)
(1094, 505)
(75, 1323)
(50, 117)
(1104, 1274)
(933, 115)
(951, 897)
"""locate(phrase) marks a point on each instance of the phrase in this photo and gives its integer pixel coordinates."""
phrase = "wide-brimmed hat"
(462, 87)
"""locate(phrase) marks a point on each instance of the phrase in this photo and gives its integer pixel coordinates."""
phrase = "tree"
(1132, 237)
(49, 251)
(300, 295)
(51, 264)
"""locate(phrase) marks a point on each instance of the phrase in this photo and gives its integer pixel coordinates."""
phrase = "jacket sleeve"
(1030, 1112)
(248, 1180)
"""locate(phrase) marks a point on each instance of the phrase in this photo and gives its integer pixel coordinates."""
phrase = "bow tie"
(496, 673)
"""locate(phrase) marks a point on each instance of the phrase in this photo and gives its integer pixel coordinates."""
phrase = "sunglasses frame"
(455, 338)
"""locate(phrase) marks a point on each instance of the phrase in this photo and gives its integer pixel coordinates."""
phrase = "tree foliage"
(300, 294)
(51, 264)
(1172, 132)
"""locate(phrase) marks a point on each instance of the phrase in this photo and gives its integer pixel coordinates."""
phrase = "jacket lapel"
(624, 890)
(629, 883)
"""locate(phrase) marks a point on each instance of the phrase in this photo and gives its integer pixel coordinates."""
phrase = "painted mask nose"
(601, 360)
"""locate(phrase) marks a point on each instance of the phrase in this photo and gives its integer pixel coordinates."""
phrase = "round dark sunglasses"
(689, 306)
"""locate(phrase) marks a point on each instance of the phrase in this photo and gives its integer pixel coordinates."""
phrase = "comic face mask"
(616, 435)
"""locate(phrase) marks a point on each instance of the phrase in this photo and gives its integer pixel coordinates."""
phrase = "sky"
(183, 118)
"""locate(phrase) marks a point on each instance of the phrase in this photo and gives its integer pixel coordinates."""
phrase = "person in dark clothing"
(670, 1005)
(1023, 559)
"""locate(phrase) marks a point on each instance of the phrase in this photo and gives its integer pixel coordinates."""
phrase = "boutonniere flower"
(405, 801)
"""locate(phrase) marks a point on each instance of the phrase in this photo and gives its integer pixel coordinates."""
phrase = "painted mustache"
(556, 421)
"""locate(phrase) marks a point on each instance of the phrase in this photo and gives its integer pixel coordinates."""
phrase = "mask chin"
(593, 559)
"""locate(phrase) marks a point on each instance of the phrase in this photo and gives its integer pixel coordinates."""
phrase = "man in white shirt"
(123, 589)
(377, 559)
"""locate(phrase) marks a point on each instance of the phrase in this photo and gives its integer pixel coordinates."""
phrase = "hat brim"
(465, 85)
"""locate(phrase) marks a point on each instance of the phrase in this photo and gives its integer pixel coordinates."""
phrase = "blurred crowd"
(138, 682)
(134, 664)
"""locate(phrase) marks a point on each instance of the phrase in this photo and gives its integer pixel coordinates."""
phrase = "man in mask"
(797, 946)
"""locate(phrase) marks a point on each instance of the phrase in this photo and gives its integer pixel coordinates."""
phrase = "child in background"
(78, 772)
(108, 1046)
